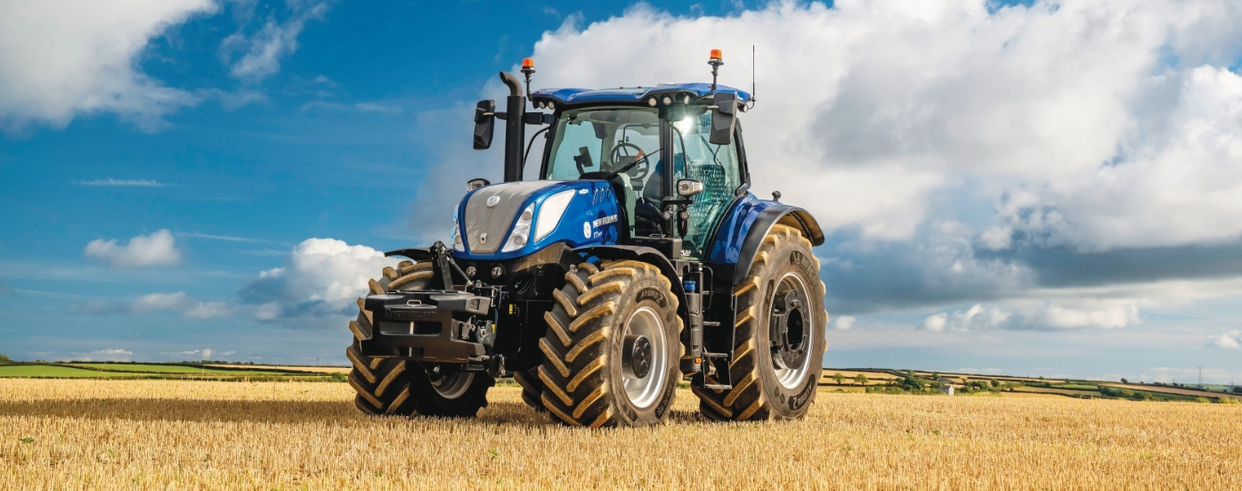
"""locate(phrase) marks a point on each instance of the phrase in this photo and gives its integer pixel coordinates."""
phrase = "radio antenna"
(752, 75)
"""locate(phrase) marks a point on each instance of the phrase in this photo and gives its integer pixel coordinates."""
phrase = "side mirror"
(689, 187)
(484, 124)
(474, 184)
(722, 118)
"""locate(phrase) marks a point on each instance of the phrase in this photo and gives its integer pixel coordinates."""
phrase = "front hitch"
(431, 326)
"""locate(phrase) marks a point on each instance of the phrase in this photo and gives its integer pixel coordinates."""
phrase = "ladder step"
(717, 387)
(711, 324)
(715, 355)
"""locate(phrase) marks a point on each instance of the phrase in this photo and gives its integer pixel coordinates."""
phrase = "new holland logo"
(493, 201)
(610, 219)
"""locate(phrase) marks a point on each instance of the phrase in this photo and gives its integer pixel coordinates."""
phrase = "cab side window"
(716, 166)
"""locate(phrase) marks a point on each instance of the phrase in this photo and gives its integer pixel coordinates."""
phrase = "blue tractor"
(637, 259)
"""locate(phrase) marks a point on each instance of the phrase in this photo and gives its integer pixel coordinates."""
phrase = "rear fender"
(741, 233)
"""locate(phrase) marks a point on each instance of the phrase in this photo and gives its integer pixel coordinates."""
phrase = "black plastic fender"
(783, 214)
(417, 254)
(647, 255)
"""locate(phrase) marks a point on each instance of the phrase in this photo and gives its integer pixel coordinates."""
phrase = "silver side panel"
(495, 221)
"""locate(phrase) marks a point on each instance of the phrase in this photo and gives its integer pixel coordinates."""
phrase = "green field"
(1076, 387)
(186, 369)
(53, 371)
(149, 370)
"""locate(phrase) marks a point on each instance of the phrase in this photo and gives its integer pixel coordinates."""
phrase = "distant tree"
(861, 379)
(4, 359)
(1124, 381)
(995, 383)
(839, 378)
(1237, 389)
(935, 375)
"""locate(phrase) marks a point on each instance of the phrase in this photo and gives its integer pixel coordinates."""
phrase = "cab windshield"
(628, 140)
(603, 139)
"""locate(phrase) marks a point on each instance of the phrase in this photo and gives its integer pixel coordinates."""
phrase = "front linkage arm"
(439, 254)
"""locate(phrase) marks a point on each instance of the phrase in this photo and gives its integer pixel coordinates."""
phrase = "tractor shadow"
(497, 413)
(183, 410)
(339, 413)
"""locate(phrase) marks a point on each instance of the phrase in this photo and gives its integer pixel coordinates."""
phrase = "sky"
(1031, 188)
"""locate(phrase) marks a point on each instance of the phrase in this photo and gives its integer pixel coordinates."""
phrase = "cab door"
(718, 167)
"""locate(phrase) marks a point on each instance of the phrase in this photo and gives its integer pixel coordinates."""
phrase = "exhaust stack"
(515, 128)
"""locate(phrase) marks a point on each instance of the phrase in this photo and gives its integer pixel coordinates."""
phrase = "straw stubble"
(186, 434)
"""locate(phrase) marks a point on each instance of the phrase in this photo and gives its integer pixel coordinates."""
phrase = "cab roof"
(629, 95)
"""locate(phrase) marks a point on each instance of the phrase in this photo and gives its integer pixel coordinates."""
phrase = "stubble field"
(67, 434)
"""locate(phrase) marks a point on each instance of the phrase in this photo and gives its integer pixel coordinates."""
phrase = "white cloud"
(206, 353)
(321, 276)
(59, 59)
(207, 310)
(936, 322)
(1230, 340)
(1180, 184)
(142, 251)
(122, 182)
(843, 322)
(378, 108)
(111, 354)
(885, 102)
(1032, 315)
(233, 100)
(264, 49)
(373, 107)
(152, 302)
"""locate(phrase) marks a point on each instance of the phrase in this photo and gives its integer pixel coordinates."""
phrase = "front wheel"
(612, 348)
(778, 335)
(402, 387)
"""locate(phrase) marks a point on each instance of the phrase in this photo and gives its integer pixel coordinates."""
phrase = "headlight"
(521, 230)
(457, 244)
(551, 211)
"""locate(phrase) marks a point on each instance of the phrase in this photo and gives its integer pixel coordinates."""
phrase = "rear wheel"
(612, 348)
(396, 386)
(779, 335)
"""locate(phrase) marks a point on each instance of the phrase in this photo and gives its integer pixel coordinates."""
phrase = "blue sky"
(1001, 196)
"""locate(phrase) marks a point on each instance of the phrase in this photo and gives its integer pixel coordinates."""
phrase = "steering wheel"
(643, 167)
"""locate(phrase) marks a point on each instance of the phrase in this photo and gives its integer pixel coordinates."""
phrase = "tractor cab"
(657, 143)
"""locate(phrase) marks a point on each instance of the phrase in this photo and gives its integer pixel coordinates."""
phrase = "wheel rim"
(644, 388)
(798, 322)
(448, 382)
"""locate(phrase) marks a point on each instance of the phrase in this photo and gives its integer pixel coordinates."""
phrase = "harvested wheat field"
(189, 434)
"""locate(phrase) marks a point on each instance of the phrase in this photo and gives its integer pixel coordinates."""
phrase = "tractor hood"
(515, 219)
